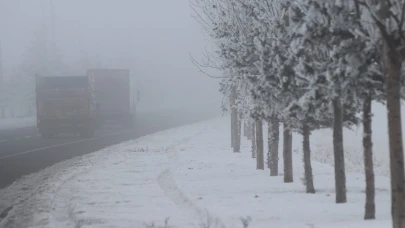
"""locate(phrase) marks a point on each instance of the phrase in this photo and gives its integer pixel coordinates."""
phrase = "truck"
(116, 96)
(65, 104)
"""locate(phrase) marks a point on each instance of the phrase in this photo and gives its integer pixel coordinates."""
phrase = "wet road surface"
(23, 151)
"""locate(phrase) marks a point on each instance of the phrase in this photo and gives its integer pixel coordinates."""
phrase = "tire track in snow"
(62, 213)
(169, 186)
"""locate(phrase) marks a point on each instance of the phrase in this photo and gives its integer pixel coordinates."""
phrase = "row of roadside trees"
(308, 65)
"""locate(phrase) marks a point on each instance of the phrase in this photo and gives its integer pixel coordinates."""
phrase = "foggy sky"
(153, 37)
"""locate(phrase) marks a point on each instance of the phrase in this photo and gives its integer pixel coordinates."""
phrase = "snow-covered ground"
(17, 123)
(189, 175)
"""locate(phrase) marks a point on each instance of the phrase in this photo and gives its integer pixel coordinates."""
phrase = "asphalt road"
(23, 151)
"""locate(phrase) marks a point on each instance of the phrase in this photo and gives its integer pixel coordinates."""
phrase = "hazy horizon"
(152, 38)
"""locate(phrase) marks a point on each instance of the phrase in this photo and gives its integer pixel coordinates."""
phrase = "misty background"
(152, 38)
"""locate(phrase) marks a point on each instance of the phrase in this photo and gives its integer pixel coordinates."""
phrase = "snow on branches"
(292, 58)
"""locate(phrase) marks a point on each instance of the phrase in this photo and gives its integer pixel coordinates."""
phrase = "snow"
(190, 175)
(17, 123)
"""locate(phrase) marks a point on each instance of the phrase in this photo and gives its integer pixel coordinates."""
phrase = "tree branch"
(200, 66)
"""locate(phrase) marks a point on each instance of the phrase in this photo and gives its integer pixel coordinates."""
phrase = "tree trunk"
(309, 180)
(254, 147)
(274, 137)
(233, 128)
(268, 144)
(368, 160)
(245, 129)
(249, 132)
(234, 120)
(392, 64)
(340, 175)
(232, 140)
(259, 144)
(238, 135)
(287, 154)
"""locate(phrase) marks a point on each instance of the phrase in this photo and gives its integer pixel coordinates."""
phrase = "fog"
(152, 38)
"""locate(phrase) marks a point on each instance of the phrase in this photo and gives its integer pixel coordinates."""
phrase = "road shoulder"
(47, 198)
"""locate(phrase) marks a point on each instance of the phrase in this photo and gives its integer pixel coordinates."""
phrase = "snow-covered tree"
(388, 16)
(313, 64)
(348, 67)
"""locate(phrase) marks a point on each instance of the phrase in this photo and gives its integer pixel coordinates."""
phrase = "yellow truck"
(65, 105)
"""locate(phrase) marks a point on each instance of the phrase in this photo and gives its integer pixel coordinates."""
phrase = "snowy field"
(190, 175)
(17, 123)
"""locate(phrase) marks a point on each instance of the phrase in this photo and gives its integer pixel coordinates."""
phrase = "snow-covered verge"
(190, 175)
(17, 123)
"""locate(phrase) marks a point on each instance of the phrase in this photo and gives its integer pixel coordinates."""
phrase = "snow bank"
(17, 123)
(190, 175)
